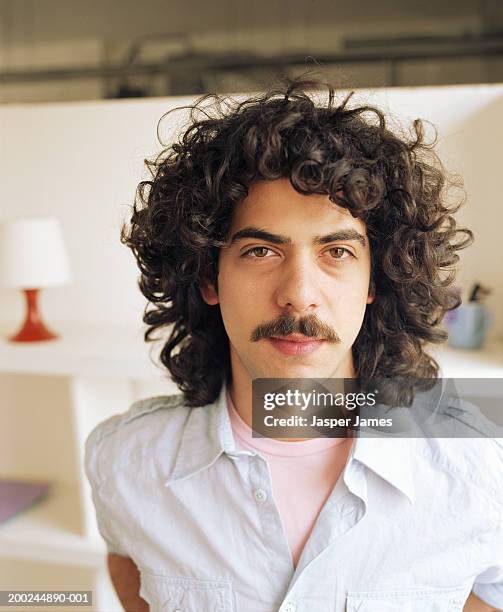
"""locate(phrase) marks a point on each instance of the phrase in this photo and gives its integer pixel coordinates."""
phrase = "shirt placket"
(275, 541)
(309, 589)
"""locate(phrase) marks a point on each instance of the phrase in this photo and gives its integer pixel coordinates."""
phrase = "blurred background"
(65, 50)
(83, 86)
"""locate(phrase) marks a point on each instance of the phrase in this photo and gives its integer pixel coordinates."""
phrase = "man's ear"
(372, 291)
(209, 293)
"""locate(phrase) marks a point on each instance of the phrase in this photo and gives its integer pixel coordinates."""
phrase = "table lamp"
(33, 256)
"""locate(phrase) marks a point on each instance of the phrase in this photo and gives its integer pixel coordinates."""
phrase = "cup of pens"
(468, 323)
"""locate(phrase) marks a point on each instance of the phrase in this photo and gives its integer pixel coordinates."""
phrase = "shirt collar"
(390, 459)
(208, 434)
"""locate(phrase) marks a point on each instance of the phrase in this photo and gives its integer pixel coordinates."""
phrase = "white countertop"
(106, 351)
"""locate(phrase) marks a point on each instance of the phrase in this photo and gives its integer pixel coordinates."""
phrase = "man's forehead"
(275, 206)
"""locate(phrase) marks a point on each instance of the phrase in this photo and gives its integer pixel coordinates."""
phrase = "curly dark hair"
(393, 181)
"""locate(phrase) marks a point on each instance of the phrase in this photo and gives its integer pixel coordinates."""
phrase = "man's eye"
(340, 253)
(258, 252)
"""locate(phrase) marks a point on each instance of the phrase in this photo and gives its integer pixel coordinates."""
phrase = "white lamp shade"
(32, 253)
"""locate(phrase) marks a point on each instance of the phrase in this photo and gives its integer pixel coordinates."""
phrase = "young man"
(285, 238)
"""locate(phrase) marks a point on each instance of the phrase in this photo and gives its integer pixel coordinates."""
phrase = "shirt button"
(290, 607)
(260, 495)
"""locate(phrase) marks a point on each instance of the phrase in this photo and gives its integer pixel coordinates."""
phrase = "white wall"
(82, 162)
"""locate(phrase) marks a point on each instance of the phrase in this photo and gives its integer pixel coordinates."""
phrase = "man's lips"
(295, 344)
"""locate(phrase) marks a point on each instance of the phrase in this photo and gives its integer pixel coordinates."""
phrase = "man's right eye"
(258, 253)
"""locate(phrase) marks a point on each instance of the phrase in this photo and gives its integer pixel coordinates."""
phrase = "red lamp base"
(33, 329)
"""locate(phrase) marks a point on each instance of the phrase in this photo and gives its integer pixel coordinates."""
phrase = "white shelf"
(117, 352)
(43, 533)
(486, 362)
(81, 351)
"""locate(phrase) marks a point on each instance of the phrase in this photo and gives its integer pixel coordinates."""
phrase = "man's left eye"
(340, 253)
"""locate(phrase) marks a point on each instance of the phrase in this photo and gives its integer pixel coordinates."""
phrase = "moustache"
(310, 326)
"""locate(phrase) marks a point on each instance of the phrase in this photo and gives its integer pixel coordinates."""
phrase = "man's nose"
(298, 288)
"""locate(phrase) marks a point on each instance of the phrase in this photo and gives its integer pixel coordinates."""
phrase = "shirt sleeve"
(491, 594)
(489, 585)
(91, 464)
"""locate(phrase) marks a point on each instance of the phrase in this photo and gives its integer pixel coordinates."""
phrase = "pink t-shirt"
(303, 475)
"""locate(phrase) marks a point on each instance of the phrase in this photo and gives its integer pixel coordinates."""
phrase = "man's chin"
(297, 371)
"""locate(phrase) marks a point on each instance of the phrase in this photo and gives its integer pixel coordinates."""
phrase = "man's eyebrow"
(255, 232)
(260, 234)
(343, 234)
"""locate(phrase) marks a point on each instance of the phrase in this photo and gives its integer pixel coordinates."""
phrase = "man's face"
(296, 267)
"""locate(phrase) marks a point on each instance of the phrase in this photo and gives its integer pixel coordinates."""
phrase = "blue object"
(468, 324)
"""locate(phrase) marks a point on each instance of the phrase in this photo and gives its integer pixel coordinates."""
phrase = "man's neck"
(241, 395)
(241, 390)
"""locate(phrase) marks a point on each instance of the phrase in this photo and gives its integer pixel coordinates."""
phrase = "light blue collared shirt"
(411, 525)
